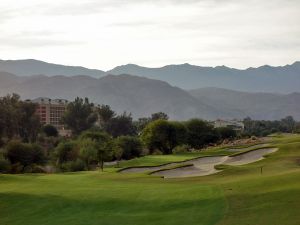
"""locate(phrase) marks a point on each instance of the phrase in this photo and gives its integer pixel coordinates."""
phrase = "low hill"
(256, 105)
(143, 96)
(138, 95)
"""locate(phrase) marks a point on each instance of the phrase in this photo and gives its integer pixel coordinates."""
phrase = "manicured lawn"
(93, 198)
(239, 195)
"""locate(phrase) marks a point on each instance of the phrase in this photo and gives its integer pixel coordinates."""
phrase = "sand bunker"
(144, 169)
(206, 165)
(201, 166)
(249, 157)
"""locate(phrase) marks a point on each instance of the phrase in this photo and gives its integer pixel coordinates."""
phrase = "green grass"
(239, 195)
(94, 198)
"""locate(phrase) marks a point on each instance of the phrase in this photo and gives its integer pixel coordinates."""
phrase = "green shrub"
(38, 169)
(34, 169)
(73, 166)
(50, 130)
(163, 135)
(181, 149)
(4, 166)
(24, 154)
(66, 151)
(130, 147)
(16, 168)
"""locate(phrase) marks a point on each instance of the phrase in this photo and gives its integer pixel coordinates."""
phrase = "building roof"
(44, 100)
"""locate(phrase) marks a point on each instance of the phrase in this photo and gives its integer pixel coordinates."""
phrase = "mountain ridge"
(283, 79)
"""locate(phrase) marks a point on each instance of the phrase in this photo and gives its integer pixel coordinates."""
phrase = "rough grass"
(239, 195)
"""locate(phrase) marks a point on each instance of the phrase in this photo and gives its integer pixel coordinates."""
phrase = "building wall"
(51, 111)
(236, 125)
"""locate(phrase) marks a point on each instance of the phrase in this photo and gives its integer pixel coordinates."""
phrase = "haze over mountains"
(281, 79)
(143, 96)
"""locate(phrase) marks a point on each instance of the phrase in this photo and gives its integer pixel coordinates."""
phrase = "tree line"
(100, 135)
(262, 128)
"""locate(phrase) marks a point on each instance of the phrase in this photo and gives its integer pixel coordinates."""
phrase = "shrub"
(130, 147)
(73, 166)
(226, 133)
(66, 151)
(50, 130)
(88, 150)
(16, 168)
(200, 133)
(38, 169)
(4, 166)
(163, 135)
(24, 154)
(34, 169)
(181, 149)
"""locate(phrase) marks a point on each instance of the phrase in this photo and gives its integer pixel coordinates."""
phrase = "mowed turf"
(236, 196)
(93, 198)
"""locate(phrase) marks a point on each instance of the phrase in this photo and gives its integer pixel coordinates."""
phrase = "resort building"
(51, 112)
(234, 124)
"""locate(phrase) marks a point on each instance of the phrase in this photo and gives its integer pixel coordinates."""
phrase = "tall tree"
(105, 114)
(159, 116)
(163, 135)
(288, 124)
(121, 125)
(18, 118)
(102, 144)
(79, 115)
(199, 133)
(128, 146)
(29, 123)
(9, 115)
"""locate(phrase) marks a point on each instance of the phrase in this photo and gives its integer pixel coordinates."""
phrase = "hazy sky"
(106, 33)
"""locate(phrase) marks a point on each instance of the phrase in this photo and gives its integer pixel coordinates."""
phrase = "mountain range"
(280, 79)
(143, 96)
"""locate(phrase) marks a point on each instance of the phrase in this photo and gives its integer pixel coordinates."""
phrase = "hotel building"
(51, 111)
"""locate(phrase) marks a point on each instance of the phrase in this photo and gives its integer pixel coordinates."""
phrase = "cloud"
(114, 32)
(5, 15)
(30, 42)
